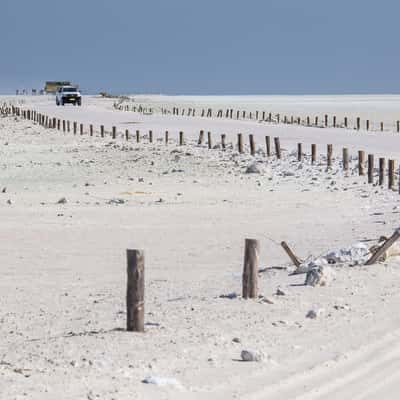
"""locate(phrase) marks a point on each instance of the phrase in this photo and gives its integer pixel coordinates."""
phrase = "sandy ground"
(63, 266)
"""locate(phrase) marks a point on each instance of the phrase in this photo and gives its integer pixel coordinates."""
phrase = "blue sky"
(202, 47)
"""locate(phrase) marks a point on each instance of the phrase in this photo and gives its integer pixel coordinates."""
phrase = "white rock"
(161, 381)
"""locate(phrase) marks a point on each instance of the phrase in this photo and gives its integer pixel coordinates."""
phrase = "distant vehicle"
(68, 94)
(52, 86)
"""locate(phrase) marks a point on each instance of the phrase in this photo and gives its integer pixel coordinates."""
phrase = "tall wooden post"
(102, 130)
(126, 134)
(345, 122)
(180, 138)
(329, 151)
(240, 143)
(367, 124)
(381, 171)
(137, 136)
(250, 269)
(75, 127)
(361, 163)
(326, 120)
(370, 168)
(313, 153)
(398, 126)
(114, 132)
(209, 140)
(345, 159)
(223, 144)
(358, 123)
(166, 137)
(81, 129)
(252, 145)
(334, 121)
(277, 148)
(299, 152)
(201, 138)
(391, 174)
(150, 136)
(381, 126)
(91, 130)
(268, 145)
(135, 291)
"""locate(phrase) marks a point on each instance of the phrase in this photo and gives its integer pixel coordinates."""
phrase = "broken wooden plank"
(388, 243)
(291, 255)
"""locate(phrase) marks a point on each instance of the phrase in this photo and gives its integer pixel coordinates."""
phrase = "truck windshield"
(69, 89)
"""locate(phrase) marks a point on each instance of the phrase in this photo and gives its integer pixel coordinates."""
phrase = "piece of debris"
(251, 355)
(319, 276)
(230, 296)
(63, 200)
(280, 292)
(116, 201)
(161, 381)
(313, 314)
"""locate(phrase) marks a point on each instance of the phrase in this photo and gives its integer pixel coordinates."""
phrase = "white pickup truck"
(68, 94)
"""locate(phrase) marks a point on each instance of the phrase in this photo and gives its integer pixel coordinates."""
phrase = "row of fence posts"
(66, 126)
(267, 117)
(135, 258)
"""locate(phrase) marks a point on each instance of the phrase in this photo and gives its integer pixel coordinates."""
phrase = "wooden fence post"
(370, 168)
(135, 291)
(345, 158)
(240, 143)
(277, 148)
(326, 120)
(81, 129)
(250, 269)
(91, 130)
(63, 125)
(166, 137)
(398, 126)
(102, 130)
(334, 121)
(358, 123)
(75, 127)
(345, 122)
(381, 171)
(114, 132)
(381, 126)
(223, 145)
(209, 140)
(137, 136)
(384, 247)
(180, 138)
(268, 145)
(313, 153)
(150, 136)
(391, 175)
(126, 134)
(299, 152)
(329, 151)
(252, 145)
(201, 138)
(361, 163)
(367, 124)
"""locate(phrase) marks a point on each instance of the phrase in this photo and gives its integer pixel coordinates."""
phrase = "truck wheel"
(79, 102)
(62, 102)
(57, 102)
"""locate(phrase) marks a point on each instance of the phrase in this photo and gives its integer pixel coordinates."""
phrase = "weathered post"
(313, 153)
(166, 137)
(345, 158)
(209, 140)
(299, 152)
(114, 132)
(361, 163)
(75, 127)
(398, 126)
(63, 125)
(58, 124)
(367, 124)
(135, 291)
(137, 136)
(240, 143)
(329, 151)
(381, 126)
(150, 136)
(381, 171)
(334, 121)
(358, 123)
(180, 138)
(250, 269)
(268, 145)
(316, 121)
(102, 130)
(345, 122)
(223, 144)
(91, 130)
(277, 148)
(391, 175)
(68, 126)
(201, 138)
(252, 145)
(308, 121)
(326, 120)
(126, 134)
(370, 168)
(81, 128)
